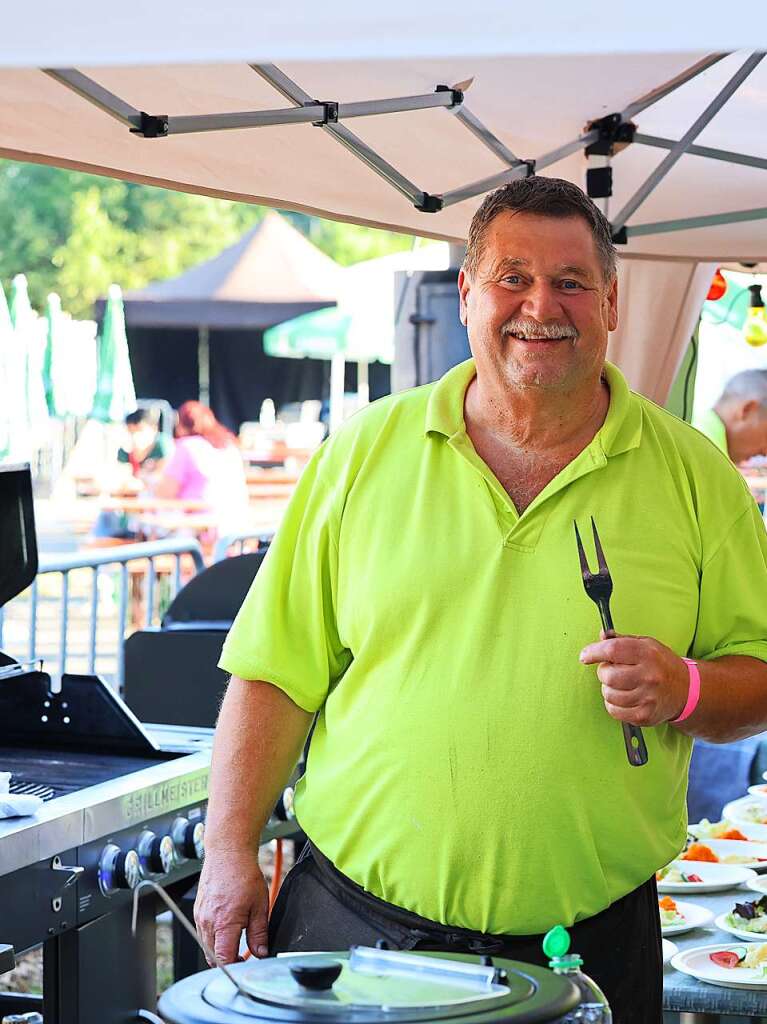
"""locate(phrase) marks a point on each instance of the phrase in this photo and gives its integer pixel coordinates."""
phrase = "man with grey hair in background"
(737, 424)
(467, 784)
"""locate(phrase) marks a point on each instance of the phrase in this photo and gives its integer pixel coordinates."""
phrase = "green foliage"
(76, 233)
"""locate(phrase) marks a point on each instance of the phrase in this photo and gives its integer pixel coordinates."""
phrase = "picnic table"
(696, 1001)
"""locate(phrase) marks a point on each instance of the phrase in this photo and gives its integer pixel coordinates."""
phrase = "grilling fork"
(599, 587)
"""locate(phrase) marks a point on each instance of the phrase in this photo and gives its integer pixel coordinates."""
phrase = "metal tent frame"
(600, 140)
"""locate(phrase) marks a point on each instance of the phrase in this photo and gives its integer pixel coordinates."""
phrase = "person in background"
(148, 448)
(206, 465)
(738, 422)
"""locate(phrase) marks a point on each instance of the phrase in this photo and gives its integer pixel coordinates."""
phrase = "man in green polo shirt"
(467, 785)
(738, 422)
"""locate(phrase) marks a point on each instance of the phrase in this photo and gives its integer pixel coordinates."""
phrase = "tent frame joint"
(620, 237)
(457, 95)
(330, 112)
(429, 203)
(151, 126)
(614, 135)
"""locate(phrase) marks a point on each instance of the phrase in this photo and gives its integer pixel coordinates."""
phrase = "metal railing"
(236, 543)
(126, 560)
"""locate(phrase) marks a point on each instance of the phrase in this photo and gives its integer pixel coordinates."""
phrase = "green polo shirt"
(463, 765)
(710, 424)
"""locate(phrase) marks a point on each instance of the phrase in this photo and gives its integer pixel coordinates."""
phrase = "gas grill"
(122, 801)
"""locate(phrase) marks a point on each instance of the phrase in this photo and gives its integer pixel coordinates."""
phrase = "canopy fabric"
(229, 30)
(528, 103)
(272, 273)
(115, 395)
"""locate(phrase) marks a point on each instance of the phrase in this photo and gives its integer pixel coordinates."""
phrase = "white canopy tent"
(392, 132)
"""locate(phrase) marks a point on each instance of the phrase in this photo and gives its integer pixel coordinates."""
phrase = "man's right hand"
(232, 897)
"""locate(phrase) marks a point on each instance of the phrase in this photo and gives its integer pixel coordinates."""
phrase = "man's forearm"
(733, 700)
(258, 741)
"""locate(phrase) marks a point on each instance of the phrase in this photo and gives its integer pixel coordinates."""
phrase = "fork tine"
(600, 553)
(581, 553)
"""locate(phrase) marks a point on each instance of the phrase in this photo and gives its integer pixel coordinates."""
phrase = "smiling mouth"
(537, 337)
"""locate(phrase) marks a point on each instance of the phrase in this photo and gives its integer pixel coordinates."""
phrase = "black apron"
(318, 908)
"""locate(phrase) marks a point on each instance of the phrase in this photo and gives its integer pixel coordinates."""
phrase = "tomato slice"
(692, 878)
(725, 958)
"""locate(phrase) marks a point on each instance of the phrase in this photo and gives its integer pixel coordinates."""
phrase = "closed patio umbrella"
(115, 394)
(26, 373)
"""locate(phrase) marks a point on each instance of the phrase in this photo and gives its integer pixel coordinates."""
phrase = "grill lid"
(18, 552)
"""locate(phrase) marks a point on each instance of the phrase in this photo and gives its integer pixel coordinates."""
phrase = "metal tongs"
(599, 587)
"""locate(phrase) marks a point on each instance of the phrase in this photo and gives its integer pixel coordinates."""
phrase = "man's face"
(538, 309)
(141, 435)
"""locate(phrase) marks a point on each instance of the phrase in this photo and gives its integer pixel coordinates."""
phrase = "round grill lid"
(373, 986)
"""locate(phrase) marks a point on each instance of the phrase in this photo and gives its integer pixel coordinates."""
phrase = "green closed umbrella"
(115, 395)
(27, 366)
(6, 343)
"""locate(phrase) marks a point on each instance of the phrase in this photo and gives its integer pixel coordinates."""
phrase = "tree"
(77, 233)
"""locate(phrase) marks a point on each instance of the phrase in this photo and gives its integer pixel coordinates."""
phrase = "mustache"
(526, 328)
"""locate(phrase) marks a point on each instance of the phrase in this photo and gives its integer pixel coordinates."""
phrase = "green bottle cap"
(556, 943)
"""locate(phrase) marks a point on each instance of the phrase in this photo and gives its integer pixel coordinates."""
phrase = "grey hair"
(749, 384)
(547, 197)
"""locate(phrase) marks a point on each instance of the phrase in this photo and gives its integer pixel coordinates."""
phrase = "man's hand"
(643, 681)
(231, 897)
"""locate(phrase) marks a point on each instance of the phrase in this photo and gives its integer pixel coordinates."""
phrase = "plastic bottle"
(593, 1008)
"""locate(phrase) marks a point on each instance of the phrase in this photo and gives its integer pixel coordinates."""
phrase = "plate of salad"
(746, 920)
(677, 917)
(725, 829)
(727, 851)
(735, 965)
(695, 877)
(746, 810)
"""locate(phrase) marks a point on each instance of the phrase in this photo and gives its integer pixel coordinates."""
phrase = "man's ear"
(612, 304)
(749, 408)
(463, 292)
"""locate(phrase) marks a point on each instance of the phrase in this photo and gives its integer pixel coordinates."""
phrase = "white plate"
(737, 811)
(694, 917)
(669, 950)
(748, 936)
(760, 791)
(696, 963)
(756, 852)
(716, 877)
(758, 885)
(752, 832)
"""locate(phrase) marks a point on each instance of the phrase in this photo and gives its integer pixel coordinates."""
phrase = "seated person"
(738, 422)
(148, 448)
(206, 465)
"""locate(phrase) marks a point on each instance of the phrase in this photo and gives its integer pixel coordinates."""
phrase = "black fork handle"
(633, 737)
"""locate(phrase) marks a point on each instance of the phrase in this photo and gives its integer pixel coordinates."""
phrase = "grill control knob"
(189, 838)
(156, 853)
(118, 869)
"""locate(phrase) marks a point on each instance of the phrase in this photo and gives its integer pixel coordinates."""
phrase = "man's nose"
(541, 302)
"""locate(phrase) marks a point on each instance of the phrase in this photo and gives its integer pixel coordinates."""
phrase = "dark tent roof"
(272, 274)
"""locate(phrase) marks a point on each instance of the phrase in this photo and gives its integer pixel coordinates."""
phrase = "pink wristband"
(693, 694)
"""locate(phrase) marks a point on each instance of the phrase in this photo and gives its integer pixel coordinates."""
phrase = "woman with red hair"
(206, 465)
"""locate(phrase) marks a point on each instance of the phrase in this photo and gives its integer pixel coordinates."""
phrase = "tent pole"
(687, 223)
(363, 384)
(337, 373)
(203, 364)
(713, 154)
(680, 148)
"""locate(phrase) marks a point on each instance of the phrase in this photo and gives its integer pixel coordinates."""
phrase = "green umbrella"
(6, 343)
(28, 352)
(319, 335)
(115, 395)
(54, 361)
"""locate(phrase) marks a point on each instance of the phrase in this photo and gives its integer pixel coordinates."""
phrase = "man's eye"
(512, 278)
(571, 285)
